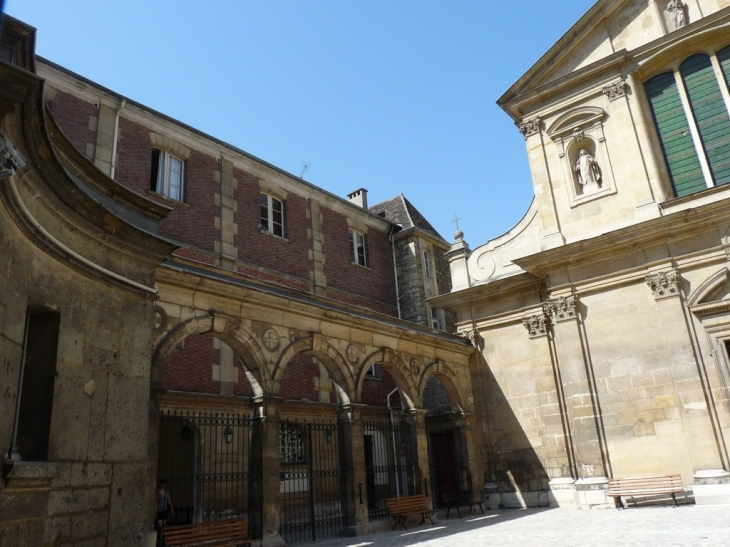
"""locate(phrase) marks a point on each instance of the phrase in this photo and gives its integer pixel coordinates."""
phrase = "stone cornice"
(675, 226)
(517, 99)
(461, 299)
(229, 285)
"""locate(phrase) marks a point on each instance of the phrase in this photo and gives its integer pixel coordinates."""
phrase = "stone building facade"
(217, 322)
(602, 317)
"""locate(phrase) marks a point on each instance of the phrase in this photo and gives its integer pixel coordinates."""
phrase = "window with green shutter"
(680, 155)
(710, 113)
(694, 135)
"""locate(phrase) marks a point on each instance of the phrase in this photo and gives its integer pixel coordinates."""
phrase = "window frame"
(36, 380)
(357, 258)
(270, 225)
(428, 263)
(161, 174)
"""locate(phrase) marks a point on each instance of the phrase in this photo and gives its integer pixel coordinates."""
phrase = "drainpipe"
(116, 135)
(391, 238)
(395, 454)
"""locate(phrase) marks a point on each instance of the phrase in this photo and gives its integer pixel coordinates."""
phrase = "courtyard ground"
(685, 526)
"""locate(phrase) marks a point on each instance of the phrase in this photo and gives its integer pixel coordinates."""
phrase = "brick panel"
(191, 222)
(375, 390)
(375, 282)
(289, 255)
(189, 367)
(72, 115)
(297, 382)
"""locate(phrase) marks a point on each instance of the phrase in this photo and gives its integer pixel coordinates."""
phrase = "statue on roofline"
(679, 12)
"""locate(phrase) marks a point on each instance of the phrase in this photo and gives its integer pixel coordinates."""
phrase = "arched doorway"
(204, 393)
(312, 487)
(447, 447)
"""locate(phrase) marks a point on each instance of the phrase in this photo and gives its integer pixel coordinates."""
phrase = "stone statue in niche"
(678, 9)
(589, 174)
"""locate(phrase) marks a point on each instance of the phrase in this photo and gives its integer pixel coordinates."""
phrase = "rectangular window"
(372, 372)
(427, 264)
(35, 394)
(358, 253)
(167, 175)
(437, 319)
(272, 215)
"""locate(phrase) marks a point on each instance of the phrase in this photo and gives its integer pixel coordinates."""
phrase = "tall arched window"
(690, 112)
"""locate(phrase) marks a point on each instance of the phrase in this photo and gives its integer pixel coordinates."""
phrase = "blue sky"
(390, 95)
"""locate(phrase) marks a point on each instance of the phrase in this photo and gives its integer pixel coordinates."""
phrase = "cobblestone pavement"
(666, 526)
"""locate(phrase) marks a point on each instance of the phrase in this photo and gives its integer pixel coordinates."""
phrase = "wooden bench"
(644, 486)
(217, 533)
(456, 500)
(401, 508)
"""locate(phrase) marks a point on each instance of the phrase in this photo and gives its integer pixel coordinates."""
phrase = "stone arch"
(708, 288)
(397, 368)
(445, 375)
(240, 339)
(319, 347)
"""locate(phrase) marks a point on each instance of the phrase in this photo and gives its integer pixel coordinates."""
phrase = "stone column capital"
(664, 284)
(563, 308)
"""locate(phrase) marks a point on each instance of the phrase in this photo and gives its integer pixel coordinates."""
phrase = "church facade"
(602, 319)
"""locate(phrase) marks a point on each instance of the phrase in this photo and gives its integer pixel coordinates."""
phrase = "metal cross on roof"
(456, 220)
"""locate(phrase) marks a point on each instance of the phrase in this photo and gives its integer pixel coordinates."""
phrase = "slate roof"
(401, 211)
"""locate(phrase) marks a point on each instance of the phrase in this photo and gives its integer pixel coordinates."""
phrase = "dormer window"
(689, 107)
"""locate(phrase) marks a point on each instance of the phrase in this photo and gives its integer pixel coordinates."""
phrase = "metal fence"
(447, 460)
(391, 464)
(311, 489)
(204, 459)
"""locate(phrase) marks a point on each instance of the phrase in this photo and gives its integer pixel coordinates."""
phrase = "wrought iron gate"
(391, 464)
(447, 460)
(204, 460)
(311, 488)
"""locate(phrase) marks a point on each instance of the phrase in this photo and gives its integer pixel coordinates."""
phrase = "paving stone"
(686, 525)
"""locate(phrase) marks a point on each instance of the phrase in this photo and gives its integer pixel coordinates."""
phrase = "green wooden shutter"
(679, 151)
(710, 112)
(724, 57)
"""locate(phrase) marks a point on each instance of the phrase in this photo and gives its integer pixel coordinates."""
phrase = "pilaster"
(581, 403)
(265, 448)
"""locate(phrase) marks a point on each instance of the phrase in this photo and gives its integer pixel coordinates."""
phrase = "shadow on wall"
(515, 476)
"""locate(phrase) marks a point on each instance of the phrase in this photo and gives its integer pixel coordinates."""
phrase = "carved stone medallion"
(271, 339)
(352, 354)
(415, 366)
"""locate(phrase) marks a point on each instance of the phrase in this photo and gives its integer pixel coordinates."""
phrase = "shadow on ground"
(427, 532)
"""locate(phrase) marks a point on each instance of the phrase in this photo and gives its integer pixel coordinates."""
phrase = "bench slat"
(220, 533)
(645, 486)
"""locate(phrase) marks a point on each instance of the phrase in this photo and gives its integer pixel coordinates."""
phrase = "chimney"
(359, 198)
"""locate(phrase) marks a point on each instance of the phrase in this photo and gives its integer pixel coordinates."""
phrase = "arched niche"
(581, 129)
